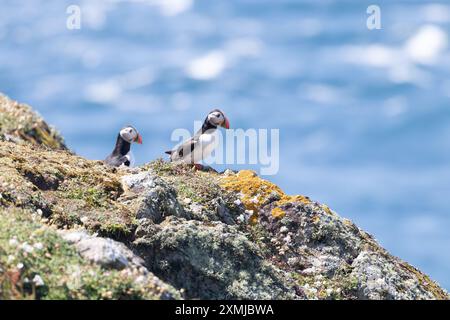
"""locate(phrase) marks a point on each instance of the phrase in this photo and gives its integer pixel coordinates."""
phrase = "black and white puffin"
(121, 154)
(203, 143)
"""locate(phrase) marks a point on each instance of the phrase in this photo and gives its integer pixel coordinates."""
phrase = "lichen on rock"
(256, 192)
(213, 261)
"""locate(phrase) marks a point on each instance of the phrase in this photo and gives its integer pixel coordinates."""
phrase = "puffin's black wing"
(116, 161)
(184, 150)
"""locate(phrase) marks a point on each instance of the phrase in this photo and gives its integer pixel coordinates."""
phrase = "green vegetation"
(36, 263)
(92, 196)
(201, 187)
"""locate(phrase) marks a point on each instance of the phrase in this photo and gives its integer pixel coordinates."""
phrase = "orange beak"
(138, 139)
(226, 124)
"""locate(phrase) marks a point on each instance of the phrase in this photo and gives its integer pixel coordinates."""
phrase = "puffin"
(203, 143)
(121, 155)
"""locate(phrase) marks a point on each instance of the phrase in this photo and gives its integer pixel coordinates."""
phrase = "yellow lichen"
(278, 213)
(253, 219)
(255, 192)
(327, 209)
(316, 219)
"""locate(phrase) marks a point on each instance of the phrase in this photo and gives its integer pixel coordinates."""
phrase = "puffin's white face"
(130, 135)
(217, 118)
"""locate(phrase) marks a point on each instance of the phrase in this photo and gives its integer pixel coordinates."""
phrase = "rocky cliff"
(72, 228)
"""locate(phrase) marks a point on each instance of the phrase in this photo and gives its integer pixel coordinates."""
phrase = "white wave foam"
(208, 66)
(427, 44)
(174, 7)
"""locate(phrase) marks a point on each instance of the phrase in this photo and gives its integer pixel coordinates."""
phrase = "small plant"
(92, 196)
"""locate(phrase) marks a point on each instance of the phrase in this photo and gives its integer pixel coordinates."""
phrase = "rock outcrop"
(19, 123)
(74, 228)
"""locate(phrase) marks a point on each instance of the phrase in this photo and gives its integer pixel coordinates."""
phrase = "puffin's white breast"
(207, 142)
(132, 159)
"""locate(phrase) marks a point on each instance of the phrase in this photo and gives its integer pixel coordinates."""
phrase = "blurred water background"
(363, 115)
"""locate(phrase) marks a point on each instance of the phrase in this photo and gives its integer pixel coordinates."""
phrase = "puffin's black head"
(130, 134)
(217, 118)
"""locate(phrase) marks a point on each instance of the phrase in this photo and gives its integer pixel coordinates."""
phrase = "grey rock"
(382, 277)
(213, 261)
(156, 199)
(333, 255)
(216, 211)
(103, 251)
(111, 254)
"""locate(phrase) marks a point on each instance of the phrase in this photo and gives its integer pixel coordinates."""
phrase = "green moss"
(92, 196)
(116, 230)
(66, 219)
(184, 190)
(161, 167)
(350, 283)
(261, 237)
(200, 187)
(30, 250)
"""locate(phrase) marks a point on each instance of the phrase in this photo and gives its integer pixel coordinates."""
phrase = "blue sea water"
(363, 114)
